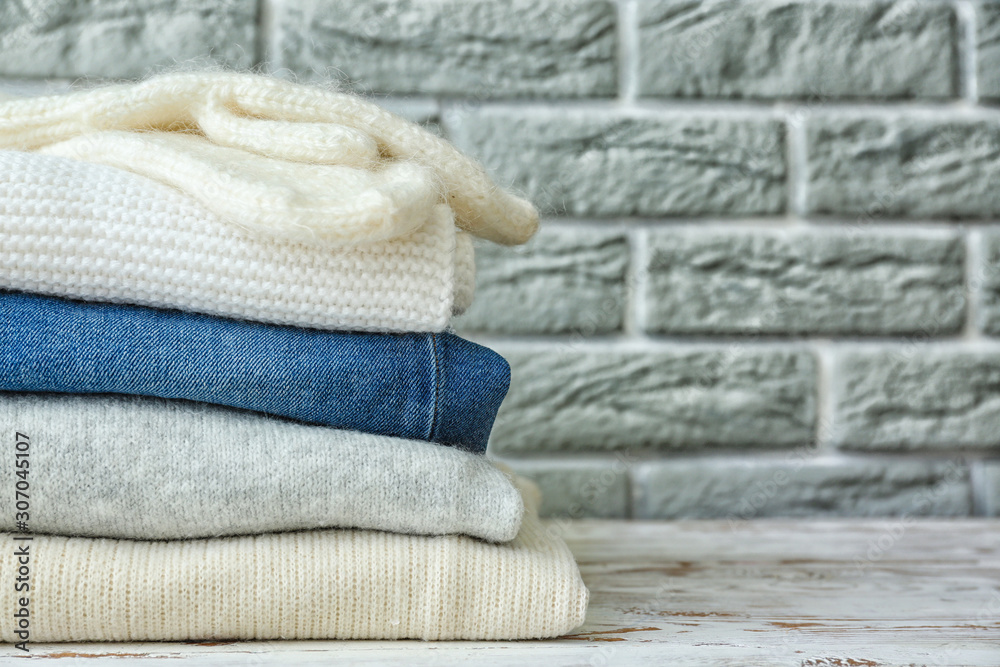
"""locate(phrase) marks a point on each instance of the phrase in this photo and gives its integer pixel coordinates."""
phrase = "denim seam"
(437, 386)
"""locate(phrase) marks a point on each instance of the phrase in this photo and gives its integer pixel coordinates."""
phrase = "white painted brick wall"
(769, 276)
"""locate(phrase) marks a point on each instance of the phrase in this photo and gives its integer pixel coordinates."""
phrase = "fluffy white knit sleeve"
(283, 159)
(89, 231)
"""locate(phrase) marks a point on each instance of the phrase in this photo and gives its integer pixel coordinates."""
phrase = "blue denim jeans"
(435, 387)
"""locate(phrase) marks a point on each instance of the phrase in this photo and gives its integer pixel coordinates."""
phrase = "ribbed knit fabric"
(308, 585)
(143, 468)
(283, 159)
(435, 387)
(89, 231)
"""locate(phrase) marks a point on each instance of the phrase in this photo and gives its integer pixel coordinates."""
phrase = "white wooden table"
(805, 593)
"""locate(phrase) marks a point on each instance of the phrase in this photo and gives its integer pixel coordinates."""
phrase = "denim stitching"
(437, 385)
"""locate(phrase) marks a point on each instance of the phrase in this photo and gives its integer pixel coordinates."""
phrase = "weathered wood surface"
(804, 593)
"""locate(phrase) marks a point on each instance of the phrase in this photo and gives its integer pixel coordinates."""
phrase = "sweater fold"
(89, 231)
(322, 584)
(148, 468)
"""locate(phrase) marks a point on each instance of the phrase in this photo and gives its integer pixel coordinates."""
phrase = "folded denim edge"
(473, 381)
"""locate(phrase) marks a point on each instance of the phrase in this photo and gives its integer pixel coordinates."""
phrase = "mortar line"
(651, 107)
(628, 51)
(739, 456)
(967, 74)
(706, 342)
(973, 264)
(265, 30)
(798, 163)
(818, 224)
(978, 490)
(825, 399)
(630, 491)
(637, 287)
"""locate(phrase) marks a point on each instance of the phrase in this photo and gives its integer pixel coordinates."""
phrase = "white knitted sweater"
(337, 584)
(287, 160)
(149, 468)
(89, 231)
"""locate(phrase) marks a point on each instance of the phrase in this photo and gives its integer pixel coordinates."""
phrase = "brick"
(475, 49)
(595, 163)
(34, 87)
(917, 397)
(123, 38)
(739, 490)
(776, 49)
(723, 281)
(578, 490)
(578, 397)
(988, 49)
(562, 281)
(423, 112)
(874, 168)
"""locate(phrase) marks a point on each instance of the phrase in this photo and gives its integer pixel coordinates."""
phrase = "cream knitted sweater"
(90, 231)
(309, 585)
(287, 160)
(148, 468)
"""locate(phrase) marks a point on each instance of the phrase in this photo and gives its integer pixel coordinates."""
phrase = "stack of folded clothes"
(227, 388)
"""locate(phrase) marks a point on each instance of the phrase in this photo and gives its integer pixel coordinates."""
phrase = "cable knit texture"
(88, 231)
(343, 584)
(142, 468)
(283, 159)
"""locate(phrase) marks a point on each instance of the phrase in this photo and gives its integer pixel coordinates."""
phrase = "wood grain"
(836, 593)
